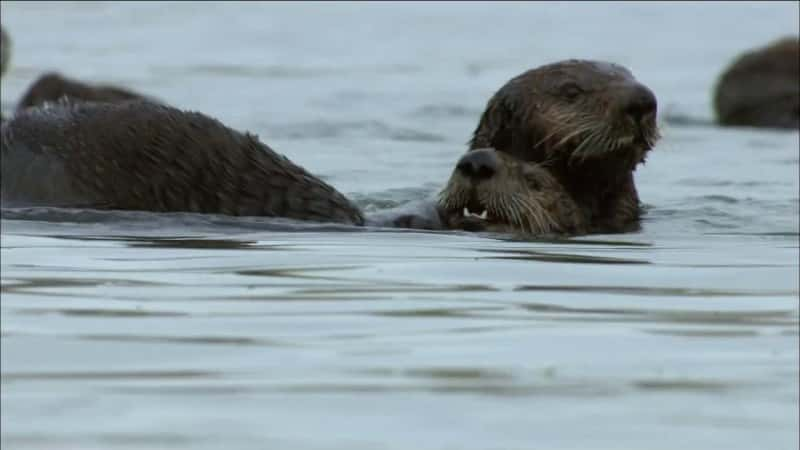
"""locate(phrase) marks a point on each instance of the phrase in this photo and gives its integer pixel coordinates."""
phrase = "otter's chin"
(477, 224)
(468, 218)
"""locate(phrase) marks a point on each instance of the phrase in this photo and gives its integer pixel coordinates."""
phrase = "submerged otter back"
(145, 156)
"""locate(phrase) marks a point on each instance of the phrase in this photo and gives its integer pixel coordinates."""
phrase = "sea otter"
(52, 86)
(139, 155)
(588, 123)
(761, 88)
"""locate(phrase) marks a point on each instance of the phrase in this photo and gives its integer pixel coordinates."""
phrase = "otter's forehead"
(578, 67)
(586, 73)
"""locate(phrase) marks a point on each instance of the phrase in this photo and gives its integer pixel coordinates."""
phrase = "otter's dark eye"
(570, 91)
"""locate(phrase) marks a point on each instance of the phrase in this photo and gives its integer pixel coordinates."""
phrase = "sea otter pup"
(494, 191)
(53, 86)
(588, 123)
(139, 155)
(761, 88)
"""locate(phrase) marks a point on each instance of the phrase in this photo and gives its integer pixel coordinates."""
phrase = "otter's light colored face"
(597, 108)
(586, 110)
(492, 191)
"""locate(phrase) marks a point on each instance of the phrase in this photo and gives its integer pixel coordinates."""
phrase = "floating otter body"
(588, 123)
(52, 86)
(145, 156)
(761, 88)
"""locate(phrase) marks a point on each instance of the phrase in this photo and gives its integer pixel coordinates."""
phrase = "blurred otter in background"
(52, 86)
(761, 88)
(5, 55)
(5, 50)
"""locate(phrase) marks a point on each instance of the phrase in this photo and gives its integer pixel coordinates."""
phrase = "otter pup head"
(576, 116)
(493, 191)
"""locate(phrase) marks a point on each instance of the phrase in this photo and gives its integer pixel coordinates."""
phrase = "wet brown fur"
(569, 117)
(761, 88)
(145, 156)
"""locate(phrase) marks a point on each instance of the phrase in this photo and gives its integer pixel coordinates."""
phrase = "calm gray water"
(134, 331)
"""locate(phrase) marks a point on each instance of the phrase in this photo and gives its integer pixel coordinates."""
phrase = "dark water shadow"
(177, 242)
(21, 285)
(481, 389)
(98, 312)
(548, 312)
(198, 340)
(296, 272)
(236, 341)
(441, 373)
(655, 291)
(109, 375)
(460, 381)
(219, 244)
(672, 316)
(147, 221)
(578, 241)
(532, 255)
(704, 333)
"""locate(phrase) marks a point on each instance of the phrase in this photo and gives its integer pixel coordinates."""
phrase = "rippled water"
(179, 331)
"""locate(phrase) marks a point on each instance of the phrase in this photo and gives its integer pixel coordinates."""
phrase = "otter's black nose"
(639, 101)
(478, 164)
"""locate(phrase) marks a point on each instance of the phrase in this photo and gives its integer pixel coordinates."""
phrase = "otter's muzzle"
(637, 102)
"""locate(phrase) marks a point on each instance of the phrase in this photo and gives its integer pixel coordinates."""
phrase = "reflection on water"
(130, 330)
